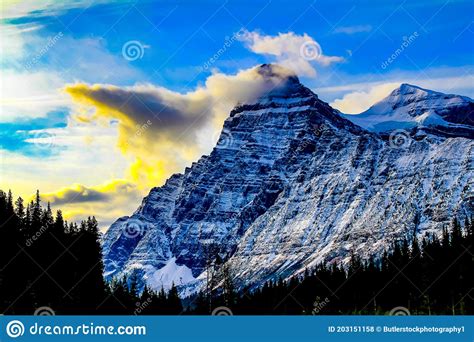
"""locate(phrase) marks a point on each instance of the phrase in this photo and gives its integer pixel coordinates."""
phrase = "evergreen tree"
(20, 209)
(174, 306)
(429, 276)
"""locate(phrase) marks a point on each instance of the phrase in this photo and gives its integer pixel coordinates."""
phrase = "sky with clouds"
(102, 100)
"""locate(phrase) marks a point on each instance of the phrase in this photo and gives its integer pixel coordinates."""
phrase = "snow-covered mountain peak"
(275, 70)
(407, 94)
(410, 89)
(411, 106)
(290, 184)
(280, 82)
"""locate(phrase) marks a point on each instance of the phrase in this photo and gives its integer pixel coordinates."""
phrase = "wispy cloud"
(30, 94)
(34, 88)
(359, 101)
(359, 97)
(106, 201)
(13, 9)
(353, 29)
(14, 38)
(296, 52)
(86, 156)
(78, 193)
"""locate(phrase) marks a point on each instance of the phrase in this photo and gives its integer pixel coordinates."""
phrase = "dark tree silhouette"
(46, 261)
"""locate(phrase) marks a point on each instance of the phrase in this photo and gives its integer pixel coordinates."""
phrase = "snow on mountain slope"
(291, 183)
(410, 106)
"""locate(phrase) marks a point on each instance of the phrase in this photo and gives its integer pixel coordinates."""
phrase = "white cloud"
(359, 101)
(353, 29)
(296, 52)
(88, 59)
(25, 95)
(81, 154)
(13, 9)
(34, 88)
(451, 80)
(33, 74)
(359, 97)
(13, 39)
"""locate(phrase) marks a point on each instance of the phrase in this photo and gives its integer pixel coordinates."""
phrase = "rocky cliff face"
(289, 184)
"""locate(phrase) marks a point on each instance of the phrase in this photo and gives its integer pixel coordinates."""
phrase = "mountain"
(292, 183)
(410, 106)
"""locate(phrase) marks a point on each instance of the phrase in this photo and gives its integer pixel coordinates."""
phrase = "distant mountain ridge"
(411, 106)
(292, 183)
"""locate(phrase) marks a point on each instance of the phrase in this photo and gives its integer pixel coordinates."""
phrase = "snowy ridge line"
(410, 106)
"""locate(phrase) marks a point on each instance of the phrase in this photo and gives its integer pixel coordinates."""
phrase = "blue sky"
(48, 46)
(189, 32)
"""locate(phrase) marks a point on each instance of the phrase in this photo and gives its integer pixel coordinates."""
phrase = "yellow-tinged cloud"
(107, 201)
(144, 172)
(165, 130)
(78, 193)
